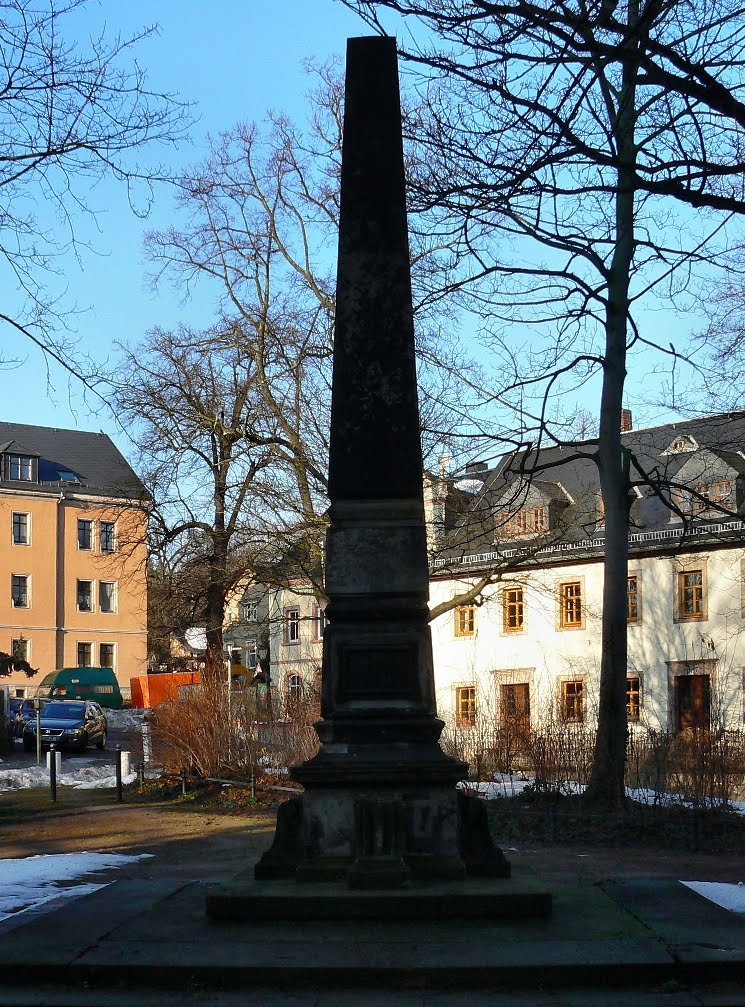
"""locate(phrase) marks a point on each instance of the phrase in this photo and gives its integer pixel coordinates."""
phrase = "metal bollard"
(53, 772)
(119, 794)
(147, 738)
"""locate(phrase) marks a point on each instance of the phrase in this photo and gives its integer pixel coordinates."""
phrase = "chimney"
(626, 421)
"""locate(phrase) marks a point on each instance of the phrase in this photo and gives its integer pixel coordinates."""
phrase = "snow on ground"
(80, 776)
(30, 882)
(730, 897)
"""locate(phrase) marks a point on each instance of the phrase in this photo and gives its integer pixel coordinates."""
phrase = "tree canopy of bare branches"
(584, 158)
(71, 113)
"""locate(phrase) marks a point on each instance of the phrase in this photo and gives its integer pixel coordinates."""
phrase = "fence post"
(183, 781)
(119, 794)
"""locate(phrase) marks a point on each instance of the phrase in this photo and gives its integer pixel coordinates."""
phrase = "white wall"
(552, 652)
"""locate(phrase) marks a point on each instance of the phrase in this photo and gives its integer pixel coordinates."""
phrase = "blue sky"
(243, 58)
(233, 59)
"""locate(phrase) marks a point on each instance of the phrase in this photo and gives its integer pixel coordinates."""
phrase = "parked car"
(25, 712)
(68, 724)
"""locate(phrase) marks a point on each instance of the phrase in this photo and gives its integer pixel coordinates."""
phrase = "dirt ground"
(213, 844)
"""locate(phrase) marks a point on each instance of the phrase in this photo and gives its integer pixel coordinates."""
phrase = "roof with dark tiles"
(572, 472)
(73, 459)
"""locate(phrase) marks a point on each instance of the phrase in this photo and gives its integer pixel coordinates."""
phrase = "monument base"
(382, 838)
(521, 897)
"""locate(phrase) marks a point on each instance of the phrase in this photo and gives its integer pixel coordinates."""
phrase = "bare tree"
(206, 446)
(70, 115)
(565, 146)
(260, 230)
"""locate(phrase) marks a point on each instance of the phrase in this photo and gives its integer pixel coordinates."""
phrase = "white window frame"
(92, 591)
(89, 522)
(114, 597)
(112, 524)
(113, 656)
(292, 626)
(27, 516)
(250, 611)
(27, 579)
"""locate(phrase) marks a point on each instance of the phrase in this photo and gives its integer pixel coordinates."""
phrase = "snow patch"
(29, 882)
(731, 897)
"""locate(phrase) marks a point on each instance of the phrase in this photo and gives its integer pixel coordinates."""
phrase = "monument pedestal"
(519, 898)
(381, 820)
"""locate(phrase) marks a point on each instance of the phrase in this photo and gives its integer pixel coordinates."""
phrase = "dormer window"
(20, 468)
(683, 444)
(517, 524)
(706, 499)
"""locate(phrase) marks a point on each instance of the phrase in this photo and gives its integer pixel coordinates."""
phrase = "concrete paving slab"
(624, 944)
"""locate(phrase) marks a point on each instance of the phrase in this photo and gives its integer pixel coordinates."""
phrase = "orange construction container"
(149, 691)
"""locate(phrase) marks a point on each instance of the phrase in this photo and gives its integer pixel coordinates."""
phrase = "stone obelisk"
(380, 805)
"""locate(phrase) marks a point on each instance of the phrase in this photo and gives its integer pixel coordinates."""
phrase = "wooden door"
(693, 702)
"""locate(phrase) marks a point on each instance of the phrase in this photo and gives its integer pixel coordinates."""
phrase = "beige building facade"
(73, 520)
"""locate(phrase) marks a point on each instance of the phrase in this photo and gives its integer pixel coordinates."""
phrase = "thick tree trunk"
(606, 785)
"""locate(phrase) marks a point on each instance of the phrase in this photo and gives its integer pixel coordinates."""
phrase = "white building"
(529, 646)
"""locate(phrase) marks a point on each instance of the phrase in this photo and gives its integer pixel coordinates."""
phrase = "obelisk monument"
(380, 807)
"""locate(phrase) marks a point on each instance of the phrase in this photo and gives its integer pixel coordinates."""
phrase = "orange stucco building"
(73, 520)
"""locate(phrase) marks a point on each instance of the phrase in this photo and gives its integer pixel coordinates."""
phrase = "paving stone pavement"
(633, 942)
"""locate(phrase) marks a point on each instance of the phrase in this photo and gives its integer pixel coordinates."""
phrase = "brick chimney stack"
(626, 421)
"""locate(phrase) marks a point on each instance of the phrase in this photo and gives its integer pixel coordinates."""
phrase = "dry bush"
(559, 756)
(295, 739)
(197, 733)
(703, 767)
(555, 754)
(201, 734)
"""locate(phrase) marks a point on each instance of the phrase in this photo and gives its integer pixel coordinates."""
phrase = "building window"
(705, 499)
(571, 610)
(249, 611)
(691, 601)
(107, 532)
(20, 529)
(252, 655)
(513, 610)
(319, 623)
(572, 702)
(107, 596)
(292, 625)
(106, 655)
(465, 620)
(633, 700)
(632, 598)
(21, 468)
(20, 649)
(294, 689)
(465, 706)
(19, 591)
(85, 534)
(85, 596)
(516, 524)
(84, 655)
